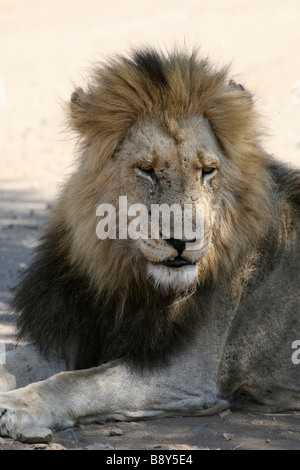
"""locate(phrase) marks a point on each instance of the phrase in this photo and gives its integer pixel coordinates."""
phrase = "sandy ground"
(46, 48)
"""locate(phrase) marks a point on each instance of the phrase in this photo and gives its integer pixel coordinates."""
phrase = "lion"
(133, 328)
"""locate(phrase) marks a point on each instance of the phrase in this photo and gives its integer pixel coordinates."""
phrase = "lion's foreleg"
(110, 391)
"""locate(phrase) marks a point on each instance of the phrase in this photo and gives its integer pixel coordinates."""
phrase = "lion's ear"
(238, 87)
(235, 86)
(77, 96)
(80, 111)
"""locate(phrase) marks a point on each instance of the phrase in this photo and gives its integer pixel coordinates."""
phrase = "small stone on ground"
(35, 435)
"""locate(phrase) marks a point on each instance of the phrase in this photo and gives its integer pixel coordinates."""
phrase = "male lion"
(146, 327)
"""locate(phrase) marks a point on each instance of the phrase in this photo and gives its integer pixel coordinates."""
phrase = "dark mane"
(59, 313)
(150, 64)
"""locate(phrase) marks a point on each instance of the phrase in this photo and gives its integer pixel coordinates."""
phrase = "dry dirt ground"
(47, 46)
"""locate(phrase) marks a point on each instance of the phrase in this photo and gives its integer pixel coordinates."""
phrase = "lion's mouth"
(177, 262)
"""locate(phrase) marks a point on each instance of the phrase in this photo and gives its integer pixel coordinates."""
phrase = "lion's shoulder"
(286, 181)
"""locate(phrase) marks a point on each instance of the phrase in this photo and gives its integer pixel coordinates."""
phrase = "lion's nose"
(179, 245)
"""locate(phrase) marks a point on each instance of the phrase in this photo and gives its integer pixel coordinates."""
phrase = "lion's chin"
(167, 278)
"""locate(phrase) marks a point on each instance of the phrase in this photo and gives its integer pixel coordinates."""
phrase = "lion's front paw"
(12, 421)
(15, 415)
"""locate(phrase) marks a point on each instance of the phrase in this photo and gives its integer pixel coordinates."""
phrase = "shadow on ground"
(22, 214)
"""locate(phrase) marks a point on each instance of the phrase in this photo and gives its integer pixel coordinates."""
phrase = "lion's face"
(164, 131)
(181, 167)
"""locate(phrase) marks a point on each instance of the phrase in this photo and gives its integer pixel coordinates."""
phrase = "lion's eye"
(147, 168)
(207, 171)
